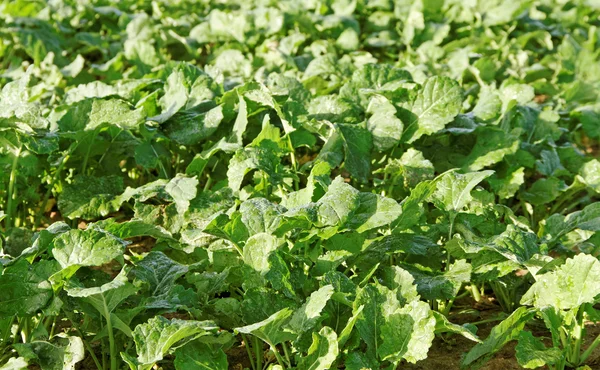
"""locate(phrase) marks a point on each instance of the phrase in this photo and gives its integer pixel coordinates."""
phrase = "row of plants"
(319, 184)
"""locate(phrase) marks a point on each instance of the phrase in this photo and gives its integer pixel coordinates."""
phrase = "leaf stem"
(294, 162)
(87, 154)
(286, 352)
(11, 190)
(248, 351)
(51, 186)
(280, 359)
(111, 337)
(257, 352)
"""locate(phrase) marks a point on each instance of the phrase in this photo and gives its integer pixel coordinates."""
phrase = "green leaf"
(15, 363)
(159, 274)
(322, 352)
(453, 190)
(412, 210)
(254, 158)
(506, 331)
(197, 355)
(492, 145)
(90, 247)
(488, 105)
(507, 186)
(543, 191)
(62, 353)
(91, 114)
(443, 325)
(435, 104)
(515, 244)
(191, 128)
(357, 144)
(26, 288)
(336, 207)
(569, 286)
(182, 189)
(260, 303)
(374, 211)
(90, 197)
(270, 329)
(441, 285)
(156, 337)
(407, 333)
(531, 353)
(309, 313)
(590, 172)
(186, 87)
(261, 216)
(133, 228)
(383, 124)
(257, 251)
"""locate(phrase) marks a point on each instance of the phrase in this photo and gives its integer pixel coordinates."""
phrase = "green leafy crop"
(311, 185)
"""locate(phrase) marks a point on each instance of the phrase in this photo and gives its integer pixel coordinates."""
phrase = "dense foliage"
(316, 183)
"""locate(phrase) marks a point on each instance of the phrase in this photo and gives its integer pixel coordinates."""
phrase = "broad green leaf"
(270, 330)
(260, 303)
(261, 216)
(488, 105)
(182, 190)
(156, 337)
(336, 207)
(159, 273)
(412, 168)
(515, 244)
(133, 228)
(371, 78)
(374, 211)
(63, 352)
(197, 355)
(402, 282)
(90, 197)
(91, 114)
(347, 331)
(26, 288)
(15, 363)
(191, 128)
(453, 190)
(507, 186)
(412, 210)
(254, 158)
(407, 333)
(543, 191)
(305, 317)
(569, 286)
(383, 124)
(435, 104)
(531, 353)
(322, 352)
(493, 144)
(441, 285)
(185, 87)
(506, 331)
(257, 251)
(90, 247)
(357, 144)
(443, 325)
(590, 172)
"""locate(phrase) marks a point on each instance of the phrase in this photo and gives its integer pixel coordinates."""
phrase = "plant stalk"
(11, 190)
(111, 337)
